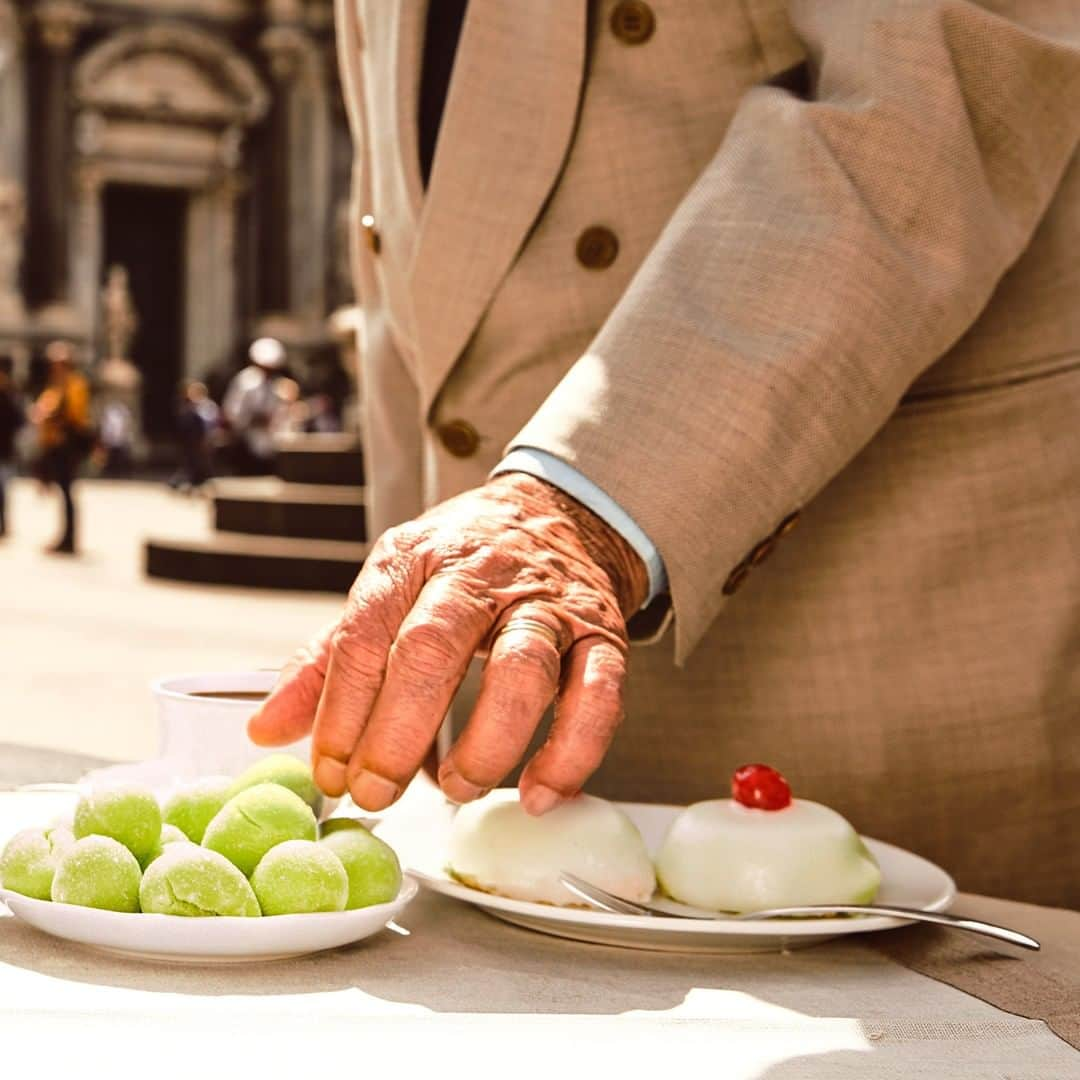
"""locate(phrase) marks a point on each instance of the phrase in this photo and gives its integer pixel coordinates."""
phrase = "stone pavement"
(80, 639)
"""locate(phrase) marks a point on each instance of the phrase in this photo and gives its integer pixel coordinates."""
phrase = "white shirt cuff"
(545, 466)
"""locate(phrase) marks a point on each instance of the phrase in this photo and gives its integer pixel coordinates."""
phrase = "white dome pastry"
(496, 846)
(764, 849)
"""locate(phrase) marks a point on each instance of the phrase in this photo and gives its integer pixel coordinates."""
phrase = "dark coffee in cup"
(230, 695)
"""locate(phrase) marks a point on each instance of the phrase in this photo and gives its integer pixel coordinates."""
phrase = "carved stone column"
(12, 220)
(86, 243)
(294, 256)
(210, 328)
(12, 96)
(281, 45)
(58, 23)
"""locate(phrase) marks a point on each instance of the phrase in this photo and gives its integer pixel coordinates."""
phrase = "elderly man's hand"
(374, 688)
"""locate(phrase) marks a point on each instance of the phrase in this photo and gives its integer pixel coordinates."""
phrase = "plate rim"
(409, 885)
(253, 932)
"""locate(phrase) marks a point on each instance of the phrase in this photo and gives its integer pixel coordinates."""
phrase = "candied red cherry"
(760, 788)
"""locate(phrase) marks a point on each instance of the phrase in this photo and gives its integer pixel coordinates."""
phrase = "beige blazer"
(864, 306)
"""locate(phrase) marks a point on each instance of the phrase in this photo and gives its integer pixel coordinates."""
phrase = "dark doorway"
(144, 231)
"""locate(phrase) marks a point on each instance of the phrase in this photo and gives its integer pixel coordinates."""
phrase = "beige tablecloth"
(1044, 986)
(463, 994)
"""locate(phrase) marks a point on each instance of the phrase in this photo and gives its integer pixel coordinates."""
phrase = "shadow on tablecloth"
(36, 765)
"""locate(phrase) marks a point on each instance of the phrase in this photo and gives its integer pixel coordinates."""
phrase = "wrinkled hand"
(374, 688)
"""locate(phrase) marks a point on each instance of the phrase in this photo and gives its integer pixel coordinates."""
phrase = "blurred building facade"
(199, 144)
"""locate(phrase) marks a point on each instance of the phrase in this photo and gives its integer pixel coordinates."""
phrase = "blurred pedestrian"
(65, 434)
(12, 418)
(252, 404)
(198, 420)
(116, 438)
(322, 414)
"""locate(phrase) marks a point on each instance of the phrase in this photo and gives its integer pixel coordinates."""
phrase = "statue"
(119, 380)
(12, 221)
(118, 314)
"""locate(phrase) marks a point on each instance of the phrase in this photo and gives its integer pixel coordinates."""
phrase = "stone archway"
(166, 106)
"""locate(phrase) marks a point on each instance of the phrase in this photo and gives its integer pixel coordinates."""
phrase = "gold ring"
(531, 626)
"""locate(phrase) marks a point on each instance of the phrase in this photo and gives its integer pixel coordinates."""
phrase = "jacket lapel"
(508, 123)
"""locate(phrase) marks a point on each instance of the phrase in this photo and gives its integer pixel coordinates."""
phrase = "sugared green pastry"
(61, 838)
(370, 863)
(190, 880)
(338, 824)
(300, 876)
(97, 872)
(256, 820)
(129, 815)
(29, 861)
(192, 807)
(170, 834)
(285, 770)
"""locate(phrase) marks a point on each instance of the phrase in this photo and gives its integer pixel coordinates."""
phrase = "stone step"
(331, 458)
(270, 506)
(261, 562)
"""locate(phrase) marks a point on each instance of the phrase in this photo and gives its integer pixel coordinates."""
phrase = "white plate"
(907, 880)
(216, 940)
(221, 939)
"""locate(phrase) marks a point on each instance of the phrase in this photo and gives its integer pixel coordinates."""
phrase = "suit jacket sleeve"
(831, 250)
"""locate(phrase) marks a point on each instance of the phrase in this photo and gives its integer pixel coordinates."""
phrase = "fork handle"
(939, 918)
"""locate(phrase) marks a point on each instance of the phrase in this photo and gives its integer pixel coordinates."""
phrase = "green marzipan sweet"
(370, 863)
(98, 872)
(193, 881)
(285, 770)
(170, 834)
(130, 815)
(193, 807)
(29, 861)
(300, 876)
(256, 820)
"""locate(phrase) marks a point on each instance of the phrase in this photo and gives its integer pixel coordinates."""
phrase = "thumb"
(289, 712)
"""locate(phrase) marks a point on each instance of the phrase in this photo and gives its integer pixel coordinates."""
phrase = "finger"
(519, 682)
(379, 600)
(288, 713)
(588, 713)
(427, 662)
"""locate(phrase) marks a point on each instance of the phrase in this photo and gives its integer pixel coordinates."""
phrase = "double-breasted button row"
(759, 553)
(597, 247)
(632, 22)
(458, 437)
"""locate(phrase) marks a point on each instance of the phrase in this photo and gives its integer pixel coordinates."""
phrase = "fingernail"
(456, 788)
(371, 791)
(253, 725)
(539, 799)
(330, 775)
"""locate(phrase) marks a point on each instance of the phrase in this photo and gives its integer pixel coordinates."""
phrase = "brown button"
(597, 247)
(371, 234)
(633, 22)
(787, 525)
(459, 437)
(736, 578)
(762, 551)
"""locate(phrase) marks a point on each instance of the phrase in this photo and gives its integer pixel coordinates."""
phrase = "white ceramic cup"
(204, 736)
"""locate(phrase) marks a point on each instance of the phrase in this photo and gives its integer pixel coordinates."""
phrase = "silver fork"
(617, 905)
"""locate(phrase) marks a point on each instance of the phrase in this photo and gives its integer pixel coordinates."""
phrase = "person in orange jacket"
(62, 416)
